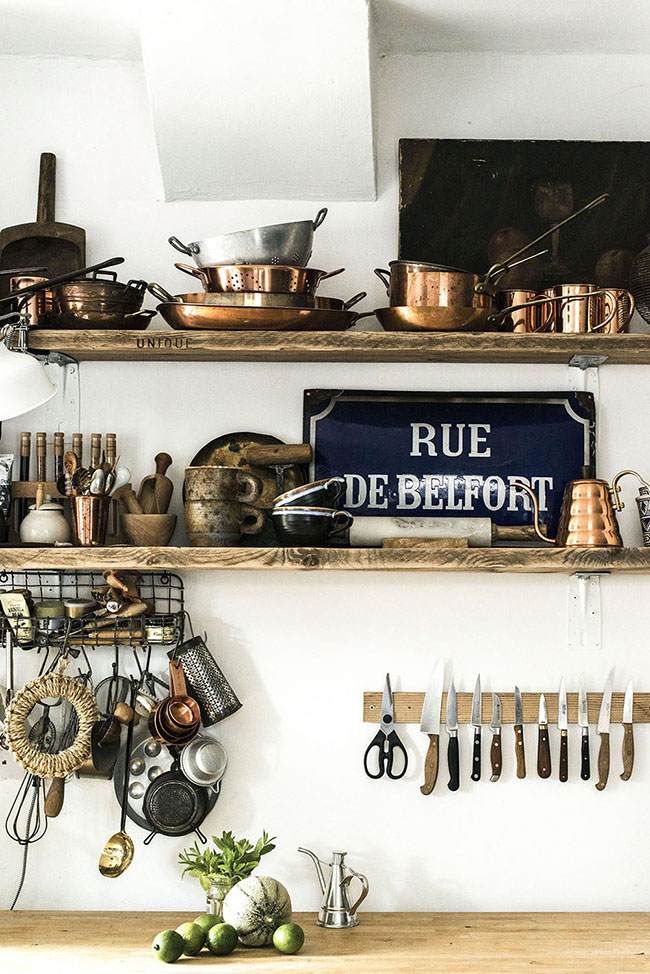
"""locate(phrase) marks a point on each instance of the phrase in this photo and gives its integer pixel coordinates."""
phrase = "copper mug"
(177, 719)
(522, 311)
(583, 308)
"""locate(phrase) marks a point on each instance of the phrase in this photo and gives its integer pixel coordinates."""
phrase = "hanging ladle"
(117, 855)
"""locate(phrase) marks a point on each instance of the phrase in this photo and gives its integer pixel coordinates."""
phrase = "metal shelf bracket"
(583, 373)
(64, 409)
(584, 612)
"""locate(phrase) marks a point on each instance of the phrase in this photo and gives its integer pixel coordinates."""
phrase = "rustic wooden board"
(346, 346)
(546, 560)
(407, 707)
(395, 943)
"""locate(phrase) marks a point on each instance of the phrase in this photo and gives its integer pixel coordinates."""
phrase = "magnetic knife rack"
(407, 707)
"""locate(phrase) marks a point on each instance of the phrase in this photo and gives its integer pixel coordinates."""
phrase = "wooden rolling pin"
(279, 456)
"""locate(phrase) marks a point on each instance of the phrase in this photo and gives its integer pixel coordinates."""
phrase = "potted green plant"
(218, 868)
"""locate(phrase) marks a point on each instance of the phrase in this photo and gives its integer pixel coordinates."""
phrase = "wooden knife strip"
(408, 707)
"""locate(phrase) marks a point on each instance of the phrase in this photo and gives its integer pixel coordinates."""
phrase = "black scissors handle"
(386, 745)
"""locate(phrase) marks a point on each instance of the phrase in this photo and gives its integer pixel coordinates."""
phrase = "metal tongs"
(496, 272)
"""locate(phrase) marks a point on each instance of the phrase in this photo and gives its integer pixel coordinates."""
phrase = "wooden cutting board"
(60, 247)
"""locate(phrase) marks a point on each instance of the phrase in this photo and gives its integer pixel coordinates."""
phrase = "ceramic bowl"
(320, 493)
(308, 526)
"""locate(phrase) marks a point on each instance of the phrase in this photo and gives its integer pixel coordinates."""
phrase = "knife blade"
(430, 724)
(475, 721)
(495, 748)
(451, 719)
(628, 734)
(603, 730)
(520, 752)
(583, 723)
(543, 746)
(563, 727)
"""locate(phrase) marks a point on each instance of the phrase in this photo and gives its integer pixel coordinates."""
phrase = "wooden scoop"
(280, 456)
(156, 490)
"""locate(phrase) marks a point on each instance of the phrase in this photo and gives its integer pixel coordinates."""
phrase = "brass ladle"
(117, 855)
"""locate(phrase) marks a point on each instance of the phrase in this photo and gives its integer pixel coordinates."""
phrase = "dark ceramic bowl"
(320, 493)
(308, 526)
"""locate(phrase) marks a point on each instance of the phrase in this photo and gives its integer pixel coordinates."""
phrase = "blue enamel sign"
(450, 454)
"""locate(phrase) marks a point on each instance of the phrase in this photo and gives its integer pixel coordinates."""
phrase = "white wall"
(301, 649)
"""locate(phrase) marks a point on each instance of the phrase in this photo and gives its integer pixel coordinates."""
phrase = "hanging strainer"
(640, 283)
(206, 683)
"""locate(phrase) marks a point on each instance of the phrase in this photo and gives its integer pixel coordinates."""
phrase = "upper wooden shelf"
(557, 560)
(346, 346)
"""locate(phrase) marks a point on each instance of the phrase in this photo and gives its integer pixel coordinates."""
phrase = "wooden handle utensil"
(628, 751)
(431, 765)
(603, 762)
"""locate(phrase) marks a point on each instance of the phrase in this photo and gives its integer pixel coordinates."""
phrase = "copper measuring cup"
(177, 719)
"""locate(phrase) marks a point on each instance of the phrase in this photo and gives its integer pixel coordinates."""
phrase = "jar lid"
(49, 609)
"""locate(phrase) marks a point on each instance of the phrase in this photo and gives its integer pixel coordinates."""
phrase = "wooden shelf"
(558, 560)
(350, 346)
(408, 707)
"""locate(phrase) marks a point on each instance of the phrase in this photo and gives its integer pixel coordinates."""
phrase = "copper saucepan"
(415, 284)
(275, 278)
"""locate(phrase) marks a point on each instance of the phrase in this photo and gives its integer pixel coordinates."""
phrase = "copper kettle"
(588, 513)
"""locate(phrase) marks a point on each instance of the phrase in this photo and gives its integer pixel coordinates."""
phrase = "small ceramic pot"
(308, 526)
(320, 493)
(45, 525)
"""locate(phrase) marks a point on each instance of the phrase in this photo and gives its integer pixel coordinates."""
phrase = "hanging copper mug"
(587, 516)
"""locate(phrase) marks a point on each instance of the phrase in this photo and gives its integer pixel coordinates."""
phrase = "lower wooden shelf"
(549, 560)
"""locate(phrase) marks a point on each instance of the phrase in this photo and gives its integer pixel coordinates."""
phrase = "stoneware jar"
(46, 525)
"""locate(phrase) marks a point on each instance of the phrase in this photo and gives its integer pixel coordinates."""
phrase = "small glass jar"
(219, 886)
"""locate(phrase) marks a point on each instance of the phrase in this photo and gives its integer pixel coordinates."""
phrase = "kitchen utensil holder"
(165, 626)
(408, 707)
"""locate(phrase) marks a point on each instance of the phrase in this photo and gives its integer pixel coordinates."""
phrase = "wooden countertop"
(383, 943)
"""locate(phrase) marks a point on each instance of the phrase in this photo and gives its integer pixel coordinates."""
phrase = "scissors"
(386, 740)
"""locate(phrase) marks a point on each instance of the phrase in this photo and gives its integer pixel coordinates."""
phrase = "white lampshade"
(24, 383)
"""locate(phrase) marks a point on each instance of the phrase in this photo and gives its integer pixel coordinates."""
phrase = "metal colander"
(205, 681)
(640, 283)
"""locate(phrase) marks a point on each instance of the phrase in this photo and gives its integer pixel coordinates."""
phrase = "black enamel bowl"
(310, 527)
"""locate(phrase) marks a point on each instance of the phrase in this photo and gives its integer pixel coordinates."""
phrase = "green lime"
(207, 920)
(193, 936)
(289, 938)
(222, 939)
(168, 946)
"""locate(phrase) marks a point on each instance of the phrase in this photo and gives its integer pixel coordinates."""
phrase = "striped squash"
(256, 907)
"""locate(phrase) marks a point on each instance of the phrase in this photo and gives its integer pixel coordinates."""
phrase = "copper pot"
(415, 284)
(274, 278)
(97, 300)
(40, 305)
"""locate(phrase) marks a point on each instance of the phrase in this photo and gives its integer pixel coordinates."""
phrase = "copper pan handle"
(384, 277)
(192, 271)
(161, 294)
(498, 316)
(329, 274)
(177, 685)
(350, 303)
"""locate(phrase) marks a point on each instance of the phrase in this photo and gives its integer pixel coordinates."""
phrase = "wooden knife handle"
(520, 752)
(54, 798)
(454, 764)
(430, 765)
(585, 763)
(495, 757)
(628, 751)
(476, 755)
(543, 752)
(603, 762)
(564, 755)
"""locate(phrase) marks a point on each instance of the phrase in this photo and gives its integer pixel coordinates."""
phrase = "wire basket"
(164, 624)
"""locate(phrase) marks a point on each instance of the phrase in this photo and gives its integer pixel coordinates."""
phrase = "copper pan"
(457, 318)
(256, 299)
(208, 318)
(274, 278)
